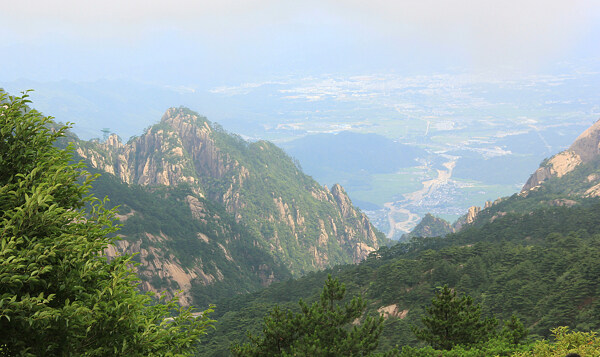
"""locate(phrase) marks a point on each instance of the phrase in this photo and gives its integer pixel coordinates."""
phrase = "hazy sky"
(183, 42)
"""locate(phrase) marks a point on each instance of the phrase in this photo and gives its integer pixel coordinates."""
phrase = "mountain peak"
(288, 215)
(343, 201)
(584, 149)
(430, 226)
(182, 117)
(586, 146)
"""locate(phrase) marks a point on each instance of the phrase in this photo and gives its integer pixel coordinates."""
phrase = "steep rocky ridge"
(185, 242)
(584, 150)
(299, 223)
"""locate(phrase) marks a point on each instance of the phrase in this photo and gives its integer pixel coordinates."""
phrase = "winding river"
(412, 219)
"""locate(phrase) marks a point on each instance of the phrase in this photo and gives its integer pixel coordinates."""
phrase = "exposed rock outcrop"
(472, 214)
(467, 218)
(343, 201)
(157, 268)
(583, 150)
(392, 311)
(303, 225)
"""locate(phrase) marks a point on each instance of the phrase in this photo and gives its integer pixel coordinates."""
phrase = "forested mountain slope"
(541, 266)
(205, 208)
(186, 242)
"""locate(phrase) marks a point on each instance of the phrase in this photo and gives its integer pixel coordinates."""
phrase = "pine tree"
(322, 329)
(454, 321)
(59, 295)
(514, 331)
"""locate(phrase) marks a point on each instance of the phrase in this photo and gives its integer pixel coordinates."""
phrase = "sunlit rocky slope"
(584, 152)
(233, 194)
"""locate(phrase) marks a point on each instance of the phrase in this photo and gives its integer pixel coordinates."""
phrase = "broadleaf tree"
(59, 294)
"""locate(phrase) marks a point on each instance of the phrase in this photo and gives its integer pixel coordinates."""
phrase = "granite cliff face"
(302, 225)
(584, 150)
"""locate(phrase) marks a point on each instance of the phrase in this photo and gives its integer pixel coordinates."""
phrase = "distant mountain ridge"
(430, 226)
(286, 214)
(564, 179)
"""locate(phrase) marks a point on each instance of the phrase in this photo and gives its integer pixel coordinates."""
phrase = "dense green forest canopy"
(539, 265)
(324, 328)
(59, 294)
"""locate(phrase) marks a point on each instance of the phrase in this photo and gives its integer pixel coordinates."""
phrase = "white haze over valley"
(485, 89)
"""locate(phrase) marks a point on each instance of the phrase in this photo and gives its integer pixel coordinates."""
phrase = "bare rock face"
(197, 141)
(343, 201)
(587, 145)
(369, 241)
(468, 218)
(583, 150)
(593, 191)
(472, 214)
(392, 311)
(303, 225)
(560, 202)
(535, 180)
(153, 159)
(158, 266)
(175, 151)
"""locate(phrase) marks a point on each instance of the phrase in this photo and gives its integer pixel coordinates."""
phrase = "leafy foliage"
(492, 347)
(321, 329)
(58, 294)
(565, 342)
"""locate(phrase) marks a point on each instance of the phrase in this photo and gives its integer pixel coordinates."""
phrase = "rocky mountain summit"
(283, 212)
(584, 150)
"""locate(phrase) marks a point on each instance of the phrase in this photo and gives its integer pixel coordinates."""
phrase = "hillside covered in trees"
(540, 266)
(526, 266)
(209, 213)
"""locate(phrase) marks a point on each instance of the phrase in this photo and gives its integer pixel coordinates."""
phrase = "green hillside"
(213, 215)
(541, 266)
(429, 226)
(226, 252)
(571, 189)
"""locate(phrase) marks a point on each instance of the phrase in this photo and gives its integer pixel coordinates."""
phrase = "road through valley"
(398, 209)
